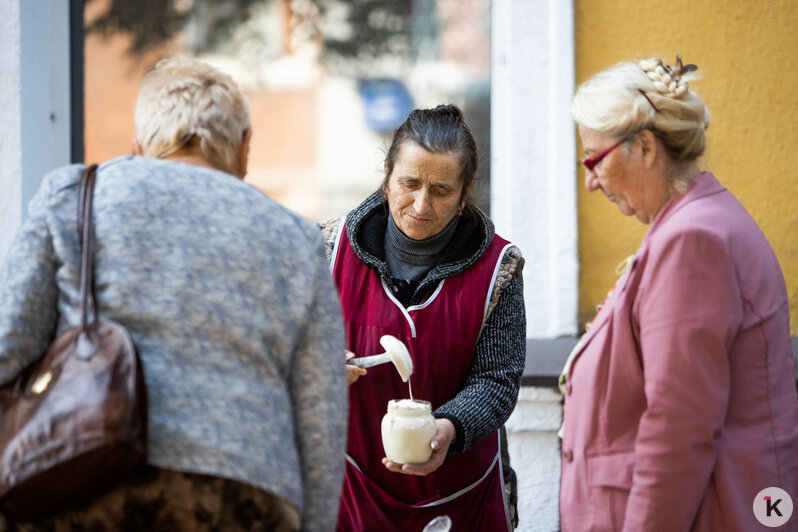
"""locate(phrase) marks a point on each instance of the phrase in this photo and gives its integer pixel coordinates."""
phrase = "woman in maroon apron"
(418, 261)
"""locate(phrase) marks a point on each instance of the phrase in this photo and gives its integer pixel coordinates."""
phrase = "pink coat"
(681, 401)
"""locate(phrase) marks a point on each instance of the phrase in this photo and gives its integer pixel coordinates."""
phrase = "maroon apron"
(441, 335)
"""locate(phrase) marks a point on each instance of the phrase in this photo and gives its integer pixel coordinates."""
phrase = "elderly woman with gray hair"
(680, 403)
(227, 297)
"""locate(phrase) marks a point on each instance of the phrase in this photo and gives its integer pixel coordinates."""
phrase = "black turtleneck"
(409, 259)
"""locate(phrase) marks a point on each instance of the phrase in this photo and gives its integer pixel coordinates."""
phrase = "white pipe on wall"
(34, 103)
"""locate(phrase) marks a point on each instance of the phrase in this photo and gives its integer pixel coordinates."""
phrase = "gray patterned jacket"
(491, 390)
(242, 350)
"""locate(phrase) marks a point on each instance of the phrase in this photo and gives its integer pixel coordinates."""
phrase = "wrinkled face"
(424, 191)
(615, 175)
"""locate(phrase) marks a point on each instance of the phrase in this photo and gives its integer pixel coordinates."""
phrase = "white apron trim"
(406, 314)
(354, 464)
(334, 256)
(430, 299)
(504, 491)
(496, 460)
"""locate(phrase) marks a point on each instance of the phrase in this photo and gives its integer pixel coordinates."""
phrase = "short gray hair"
(183, 102)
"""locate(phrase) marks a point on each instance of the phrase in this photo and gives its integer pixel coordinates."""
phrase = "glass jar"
(407, 430)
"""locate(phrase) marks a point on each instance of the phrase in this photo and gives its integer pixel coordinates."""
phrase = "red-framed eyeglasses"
(591, 162)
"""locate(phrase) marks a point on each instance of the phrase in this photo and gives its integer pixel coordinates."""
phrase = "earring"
(460, 212)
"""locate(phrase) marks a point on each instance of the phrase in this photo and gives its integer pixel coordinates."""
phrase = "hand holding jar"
(444, 435)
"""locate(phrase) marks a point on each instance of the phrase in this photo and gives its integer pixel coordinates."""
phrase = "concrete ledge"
(538, 409)
(545, 359)
(536, 458)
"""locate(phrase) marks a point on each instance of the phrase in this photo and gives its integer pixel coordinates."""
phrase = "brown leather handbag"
(76, 420)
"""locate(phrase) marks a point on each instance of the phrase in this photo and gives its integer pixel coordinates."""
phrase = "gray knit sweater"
(228, 298)
(491, 390)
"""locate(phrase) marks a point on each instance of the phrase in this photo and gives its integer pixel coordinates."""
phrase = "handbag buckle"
(42, 382)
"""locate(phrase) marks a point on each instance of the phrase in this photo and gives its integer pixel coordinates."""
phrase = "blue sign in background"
(387, 103)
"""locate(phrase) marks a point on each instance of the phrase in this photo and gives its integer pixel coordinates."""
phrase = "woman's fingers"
(444, 435)
(353, 373)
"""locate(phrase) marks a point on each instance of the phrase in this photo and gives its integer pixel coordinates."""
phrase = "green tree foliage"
(372, 28)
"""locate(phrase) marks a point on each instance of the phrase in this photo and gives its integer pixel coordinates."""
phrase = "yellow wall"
(748, 54)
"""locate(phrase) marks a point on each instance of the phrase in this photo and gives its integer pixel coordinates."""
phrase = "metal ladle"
(395, 351)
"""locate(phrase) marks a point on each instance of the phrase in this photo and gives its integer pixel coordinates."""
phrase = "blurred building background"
(329, 79)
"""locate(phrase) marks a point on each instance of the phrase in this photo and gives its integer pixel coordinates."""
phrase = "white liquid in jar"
(407, 430)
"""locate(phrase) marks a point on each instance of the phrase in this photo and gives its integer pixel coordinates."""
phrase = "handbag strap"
(88, 297)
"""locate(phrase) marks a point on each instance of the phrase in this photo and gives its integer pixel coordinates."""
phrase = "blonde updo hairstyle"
(184, 103)
(628, 98)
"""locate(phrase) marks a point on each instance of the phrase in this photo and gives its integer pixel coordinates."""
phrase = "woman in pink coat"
(680, 400)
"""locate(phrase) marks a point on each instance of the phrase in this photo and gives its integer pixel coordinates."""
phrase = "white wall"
(34, 102)
(533, 159)
(535, 455)
(11, 118)
(533, 203)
